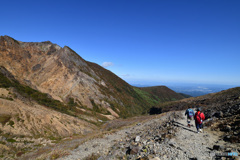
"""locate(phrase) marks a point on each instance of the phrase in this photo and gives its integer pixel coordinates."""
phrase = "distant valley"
(193, 90)
(199, 89)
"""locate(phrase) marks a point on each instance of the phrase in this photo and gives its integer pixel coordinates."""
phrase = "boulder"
(218, 148)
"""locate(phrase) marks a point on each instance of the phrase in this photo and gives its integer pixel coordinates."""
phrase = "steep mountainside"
(28, 121)
(51, 69)
(65, 76)
(121, 90)
(28, 112)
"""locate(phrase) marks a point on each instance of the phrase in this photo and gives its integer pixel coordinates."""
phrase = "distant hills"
(192, 89)
(220, 101)
(163, 93)
(199, 89)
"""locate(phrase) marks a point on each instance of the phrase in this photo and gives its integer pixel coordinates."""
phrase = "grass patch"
(146, 96)
(4, 119)
(4, 81)
(11, 123)
(11, 140)
(2, 142)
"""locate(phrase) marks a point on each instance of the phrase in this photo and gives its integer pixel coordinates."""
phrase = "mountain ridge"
(43, 72)
(65, 75)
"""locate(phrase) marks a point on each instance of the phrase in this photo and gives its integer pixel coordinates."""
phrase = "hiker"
(199, 118)
(190, 113)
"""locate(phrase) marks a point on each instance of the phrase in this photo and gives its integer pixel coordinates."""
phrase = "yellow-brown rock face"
(51, 69)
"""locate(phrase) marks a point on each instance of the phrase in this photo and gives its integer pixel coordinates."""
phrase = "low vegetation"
(23, 91)
(32, 94)
(4, 119)
(151, 99)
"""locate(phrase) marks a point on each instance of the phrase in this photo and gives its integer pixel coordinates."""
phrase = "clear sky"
(141, 41)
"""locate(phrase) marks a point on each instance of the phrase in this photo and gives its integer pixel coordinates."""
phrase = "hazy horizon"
(178, 84)
(192, 89)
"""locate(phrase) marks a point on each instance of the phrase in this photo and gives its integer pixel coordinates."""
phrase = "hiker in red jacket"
(199, 118)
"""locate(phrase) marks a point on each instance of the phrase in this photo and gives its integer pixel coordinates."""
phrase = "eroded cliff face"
(60, 72)
(24, 119)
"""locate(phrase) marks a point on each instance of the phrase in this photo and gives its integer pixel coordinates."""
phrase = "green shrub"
(11, 123)
(11, 140)
(4, 119)
(32, 94)
(146, 96)
(4, 81)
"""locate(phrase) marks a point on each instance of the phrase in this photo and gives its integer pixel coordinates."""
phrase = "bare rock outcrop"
(51, 69)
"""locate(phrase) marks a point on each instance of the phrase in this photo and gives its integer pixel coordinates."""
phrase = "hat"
(198, 109)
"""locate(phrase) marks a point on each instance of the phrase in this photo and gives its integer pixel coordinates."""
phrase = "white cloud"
(107, 64)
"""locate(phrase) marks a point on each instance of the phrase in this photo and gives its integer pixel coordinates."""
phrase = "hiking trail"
(161, 138)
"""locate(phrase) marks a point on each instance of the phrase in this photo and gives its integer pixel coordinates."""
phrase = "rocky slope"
(65, 76)
(51, 69)
(222, 109)
(162, 137)
(25, 125)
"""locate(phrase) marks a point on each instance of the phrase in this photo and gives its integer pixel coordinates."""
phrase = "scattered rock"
(154, 141)
(228, 128)
(135, 150)
(95, 145)
(218, 147)
(137, 139)
(155, 158)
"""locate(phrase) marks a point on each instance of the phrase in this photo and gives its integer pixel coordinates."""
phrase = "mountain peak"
(10, 39)
(64, 75)
(7, 40)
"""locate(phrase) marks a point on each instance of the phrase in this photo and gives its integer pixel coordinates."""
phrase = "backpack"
(190, 112)
(198, 118)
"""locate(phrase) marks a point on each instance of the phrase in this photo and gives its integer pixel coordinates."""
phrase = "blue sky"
(141, 41)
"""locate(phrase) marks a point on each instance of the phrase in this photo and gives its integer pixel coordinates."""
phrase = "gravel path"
(194, 145)
(166, 137)
(101, 145)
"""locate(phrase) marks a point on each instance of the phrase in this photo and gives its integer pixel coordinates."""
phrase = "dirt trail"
(101, 146)
(193, 144)
(162, 138)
